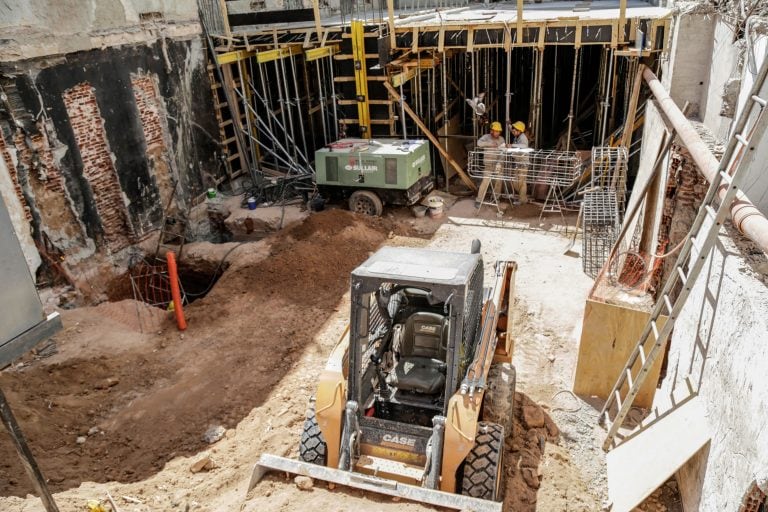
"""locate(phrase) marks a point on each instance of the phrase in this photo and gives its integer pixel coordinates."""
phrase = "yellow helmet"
(496, 126)
(519, 126)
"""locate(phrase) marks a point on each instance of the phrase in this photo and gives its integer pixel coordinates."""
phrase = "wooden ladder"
(690, 262)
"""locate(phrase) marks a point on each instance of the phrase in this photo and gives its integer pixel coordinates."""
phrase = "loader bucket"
(364, 482)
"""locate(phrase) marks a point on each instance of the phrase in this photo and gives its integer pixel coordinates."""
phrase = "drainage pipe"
(746, 217)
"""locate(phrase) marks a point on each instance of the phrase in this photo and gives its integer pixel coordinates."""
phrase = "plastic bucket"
(251, 203)
(435, 206)
(419, 211)
(211, 193)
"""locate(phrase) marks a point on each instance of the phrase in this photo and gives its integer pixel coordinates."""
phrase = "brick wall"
(34, 152)
(686, 188)
(5, 151)
(98, 168)
(146, 101)
(754, 500)
(152, 123)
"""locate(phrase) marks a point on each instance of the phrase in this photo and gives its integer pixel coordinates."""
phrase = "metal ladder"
(689, 264)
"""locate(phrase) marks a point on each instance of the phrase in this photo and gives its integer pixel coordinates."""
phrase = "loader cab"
(413, 329)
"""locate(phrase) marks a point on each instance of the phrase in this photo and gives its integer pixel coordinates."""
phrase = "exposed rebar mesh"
(609, 171)
(600, 229)
(545, 167)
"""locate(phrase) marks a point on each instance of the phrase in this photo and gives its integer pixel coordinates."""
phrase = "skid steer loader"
(417, 397)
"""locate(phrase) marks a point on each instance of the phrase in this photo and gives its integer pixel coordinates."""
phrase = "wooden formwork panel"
(608, 336)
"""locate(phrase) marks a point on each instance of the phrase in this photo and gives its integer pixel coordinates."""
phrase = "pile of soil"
(142, 399)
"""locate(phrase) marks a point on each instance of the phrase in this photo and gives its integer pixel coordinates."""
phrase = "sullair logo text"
(363, 166)
(401, 440)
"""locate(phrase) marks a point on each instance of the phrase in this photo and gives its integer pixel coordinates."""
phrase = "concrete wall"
(35, 28)
(725, 67)
(720, 339)
(689, 59)
(97, 145)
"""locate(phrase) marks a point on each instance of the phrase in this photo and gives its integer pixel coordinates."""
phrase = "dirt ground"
(123, 406)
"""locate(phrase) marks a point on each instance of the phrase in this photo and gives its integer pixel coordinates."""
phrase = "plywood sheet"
(609, 333)
(641, 464)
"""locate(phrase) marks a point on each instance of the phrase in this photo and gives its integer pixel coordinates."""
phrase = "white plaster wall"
(756, 182)
(18, 219)
(75, 16)
(725, 65)
(721, 341)
(689, 60)
(35, 28)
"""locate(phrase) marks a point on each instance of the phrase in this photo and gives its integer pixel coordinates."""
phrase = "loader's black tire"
(312, 448)
(483, 468)
(499, 399)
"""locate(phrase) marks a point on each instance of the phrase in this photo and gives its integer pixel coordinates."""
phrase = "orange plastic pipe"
(173, 275)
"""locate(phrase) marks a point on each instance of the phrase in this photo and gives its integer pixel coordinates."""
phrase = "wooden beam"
(318, 21)
(463, 175)
(225, 17)
(25, 454)
(391, 20)
(622, 19)
(230, 57)
(629, 125)
(319, 53)
(278, 53)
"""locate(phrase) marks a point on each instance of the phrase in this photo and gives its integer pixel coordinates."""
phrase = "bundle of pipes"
(746, 217)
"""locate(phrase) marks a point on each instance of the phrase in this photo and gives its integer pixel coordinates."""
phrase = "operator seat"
(421, 364)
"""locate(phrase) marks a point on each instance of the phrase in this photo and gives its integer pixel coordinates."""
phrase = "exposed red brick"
(98, 167)
(5, 151)
(754, 500)
(149, 109)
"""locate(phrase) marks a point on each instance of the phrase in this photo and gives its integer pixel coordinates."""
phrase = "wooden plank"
(463, 175)
(609, 334)
(318, 21)
(641, 464)
(25, 454)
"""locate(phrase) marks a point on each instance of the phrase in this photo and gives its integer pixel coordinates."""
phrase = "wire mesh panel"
(609, 170)
(545, 167)
(600, 229)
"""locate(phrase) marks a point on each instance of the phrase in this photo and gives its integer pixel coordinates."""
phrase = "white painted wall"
(721, 337)
(756, 181)
(725, 65)
(36, 28)
(721, 341)
(75, 16)
(689, 60)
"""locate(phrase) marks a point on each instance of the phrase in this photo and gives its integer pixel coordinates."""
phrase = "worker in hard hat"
(492, 144)
(521, 161)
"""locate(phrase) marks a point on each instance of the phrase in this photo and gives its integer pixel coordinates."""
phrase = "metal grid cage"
(600, 228)
(609, 170)
(545, 167)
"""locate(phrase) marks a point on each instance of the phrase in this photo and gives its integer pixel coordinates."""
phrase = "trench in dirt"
(147, 405)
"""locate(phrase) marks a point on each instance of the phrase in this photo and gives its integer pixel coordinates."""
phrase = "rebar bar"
(298, 108)
(321, 98)
(576, 52)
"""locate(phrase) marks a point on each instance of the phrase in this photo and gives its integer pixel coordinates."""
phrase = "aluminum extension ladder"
(689, 263)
